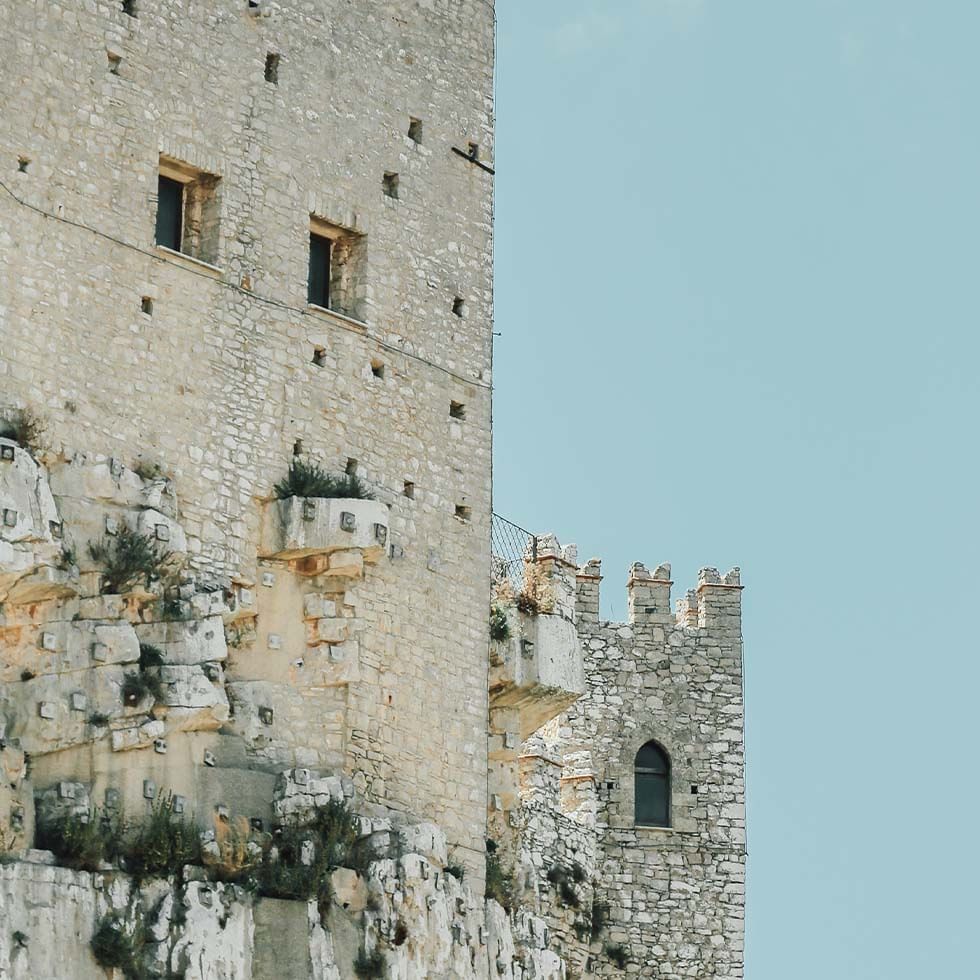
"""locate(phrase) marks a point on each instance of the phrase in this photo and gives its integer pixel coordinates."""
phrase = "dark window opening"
(351, 468)
(377, 369)
(298, 447)
(459, 306)
(319, 281)
(114, 62)
(146, 305)
(129, 7)
(474, 150)
(389, 184)
(463, 513)
(22, 164)
(457, 410)
(319, 356)
(272, 68)
(170, 208)
(409, 490)
(652, 786)
(415, 129)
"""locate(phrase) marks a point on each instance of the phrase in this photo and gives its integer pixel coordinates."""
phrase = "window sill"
(642, 829)
(347, 321)
(182, 258)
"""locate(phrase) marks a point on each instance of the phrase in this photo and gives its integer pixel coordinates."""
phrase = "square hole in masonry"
(256, 824)
(7, 454)
(309, 510)
(161, 532)
(348, 522)
(414, 129)
(266, 716)
(146, 305)
(320, 356)
(149, 789)
(380, 534)
(179, 804)
(9, 517)
(160, 746)
(302, 776)
(57, 529)
(463, 513)
(272, 68)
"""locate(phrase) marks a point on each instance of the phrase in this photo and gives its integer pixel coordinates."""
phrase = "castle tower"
(235, 234)
(662, 722)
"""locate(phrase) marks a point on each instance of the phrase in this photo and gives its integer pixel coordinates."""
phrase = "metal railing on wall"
(511, 547)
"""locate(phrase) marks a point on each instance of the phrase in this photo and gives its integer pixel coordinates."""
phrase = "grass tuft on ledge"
(310, 480)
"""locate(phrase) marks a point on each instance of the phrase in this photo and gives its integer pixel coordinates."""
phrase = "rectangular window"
(319, 281)
(188, 210)
(652, 800)
(170, 212)
(338, 260)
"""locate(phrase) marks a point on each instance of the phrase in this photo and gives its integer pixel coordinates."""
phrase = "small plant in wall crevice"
(27, 429)
(617, 953)
(500, 878)
(114, 948)
(499, 627)
(369, 966)
(129, 559)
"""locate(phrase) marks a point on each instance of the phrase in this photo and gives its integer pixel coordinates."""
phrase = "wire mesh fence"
(511, 547)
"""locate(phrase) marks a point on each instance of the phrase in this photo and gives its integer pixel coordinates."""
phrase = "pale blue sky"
(737, 292)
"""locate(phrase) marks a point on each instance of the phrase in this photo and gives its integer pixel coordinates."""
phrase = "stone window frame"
(200, 211)
(624, 800)
(347, 292)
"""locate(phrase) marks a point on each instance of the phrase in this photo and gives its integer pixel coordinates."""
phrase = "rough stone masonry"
(237, 236)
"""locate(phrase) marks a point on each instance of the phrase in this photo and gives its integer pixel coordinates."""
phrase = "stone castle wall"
(216, 381)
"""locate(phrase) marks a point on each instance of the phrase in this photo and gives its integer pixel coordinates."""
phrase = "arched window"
(652, 776)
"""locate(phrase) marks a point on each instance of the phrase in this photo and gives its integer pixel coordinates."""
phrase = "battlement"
(715, 603)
